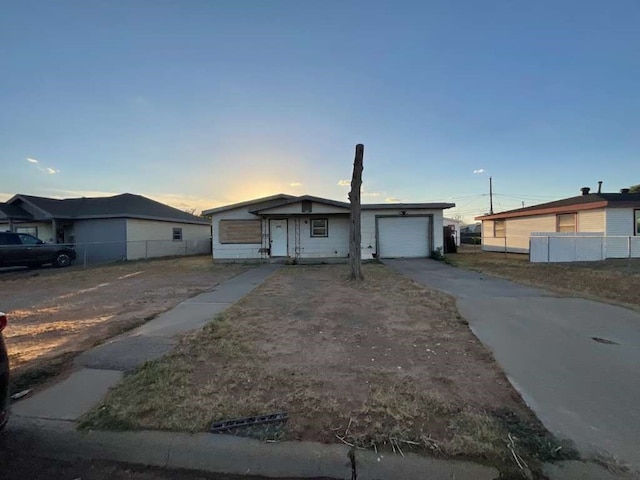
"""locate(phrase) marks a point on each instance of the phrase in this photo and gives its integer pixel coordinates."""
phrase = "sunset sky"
(202, 103)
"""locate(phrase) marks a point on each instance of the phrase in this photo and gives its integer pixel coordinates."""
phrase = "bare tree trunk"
(354, 228)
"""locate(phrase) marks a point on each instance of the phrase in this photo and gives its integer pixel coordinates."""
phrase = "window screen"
(320, 227)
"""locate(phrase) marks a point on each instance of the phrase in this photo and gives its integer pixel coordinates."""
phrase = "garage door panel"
(403, 237)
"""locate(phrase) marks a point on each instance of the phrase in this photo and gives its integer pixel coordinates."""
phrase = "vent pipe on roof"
(599, 186)
(585, 190)
(624, 190)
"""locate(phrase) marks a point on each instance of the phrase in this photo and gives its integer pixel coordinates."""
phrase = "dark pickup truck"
(22, 249)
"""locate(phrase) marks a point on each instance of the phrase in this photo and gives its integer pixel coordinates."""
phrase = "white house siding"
(335, 245)
(296, 208)
(517, 231)
(147, 239)
(619, 223)
(235, 251)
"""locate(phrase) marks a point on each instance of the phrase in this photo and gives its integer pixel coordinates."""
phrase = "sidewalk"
(102, 367)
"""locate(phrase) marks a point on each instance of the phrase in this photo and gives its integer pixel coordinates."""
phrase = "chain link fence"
(94, 253)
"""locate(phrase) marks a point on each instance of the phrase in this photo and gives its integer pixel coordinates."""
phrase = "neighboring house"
(471, 234)
(454, 225)
(312, 227)
(606, 224)
(122, 227)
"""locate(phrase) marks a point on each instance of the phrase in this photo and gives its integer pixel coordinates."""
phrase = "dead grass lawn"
(612, 280)
(386, 364)
(54, 313)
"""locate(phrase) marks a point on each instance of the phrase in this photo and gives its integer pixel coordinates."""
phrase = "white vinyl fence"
(581, 247)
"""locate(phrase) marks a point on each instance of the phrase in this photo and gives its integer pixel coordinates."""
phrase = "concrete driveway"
(583, 389)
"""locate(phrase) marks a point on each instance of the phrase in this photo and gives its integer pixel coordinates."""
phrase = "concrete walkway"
(45, 423)
(580, 388)
(102, 367)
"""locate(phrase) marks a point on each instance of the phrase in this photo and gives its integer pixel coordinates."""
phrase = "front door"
(278, 237)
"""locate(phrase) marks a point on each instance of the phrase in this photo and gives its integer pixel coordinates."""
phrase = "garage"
(404, 236)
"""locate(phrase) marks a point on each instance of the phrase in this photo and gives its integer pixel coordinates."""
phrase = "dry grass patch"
(55, 313)
(385, 364)
(613, 280)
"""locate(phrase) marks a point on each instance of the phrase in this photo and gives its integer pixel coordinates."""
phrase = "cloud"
(43, 168)
(344, 183)
(60, 193)
(392, 200)
(480, 170)
(371, 194)
(295, 184)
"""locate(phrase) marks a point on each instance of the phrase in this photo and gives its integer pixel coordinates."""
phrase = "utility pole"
(354, 230)
(490, 195)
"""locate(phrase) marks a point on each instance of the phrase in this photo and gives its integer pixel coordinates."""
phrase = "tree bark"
(354, 227)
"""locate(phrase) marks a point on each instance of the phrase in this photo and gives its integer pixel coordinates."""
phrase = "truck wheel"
(62, 259)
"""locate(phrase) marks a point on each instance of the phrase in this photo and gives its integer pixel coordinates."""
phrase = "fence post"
(548, 249)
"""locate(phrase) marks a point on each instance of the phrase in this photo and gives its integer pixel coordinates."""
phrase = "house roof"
(566, 205)
(407, 206)
(264, 202)
(310, 198)
(125, 205)
(14, 212)
(281, 199)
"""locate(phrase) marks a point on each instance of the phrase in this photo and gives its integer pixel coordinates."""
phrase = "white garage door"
(403, 237)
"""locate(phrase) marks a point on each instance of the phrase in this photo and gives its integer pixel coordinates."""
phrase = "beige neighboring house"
(307, 227)
(591, 226)
(121, 227)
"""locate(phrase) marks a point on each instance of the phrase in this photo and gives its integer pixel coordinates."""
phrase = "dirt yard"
(386, 364)
(55, 313)
(612, 280)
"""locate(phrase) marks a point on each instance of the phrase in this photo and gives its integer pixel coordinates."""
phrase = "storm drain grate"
(604, 340)
(239, 423)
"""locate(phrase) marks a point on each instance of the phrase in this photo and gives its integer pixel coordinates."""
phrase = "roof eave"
(545, 211)
(224, 208)
(408, 206)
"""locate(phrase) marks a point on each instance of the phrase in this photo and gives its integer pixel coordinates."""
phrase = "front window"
(637, 217)
(29, 230)
(320, 227)
(566, 222)
(499, 228)
(177, 234)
